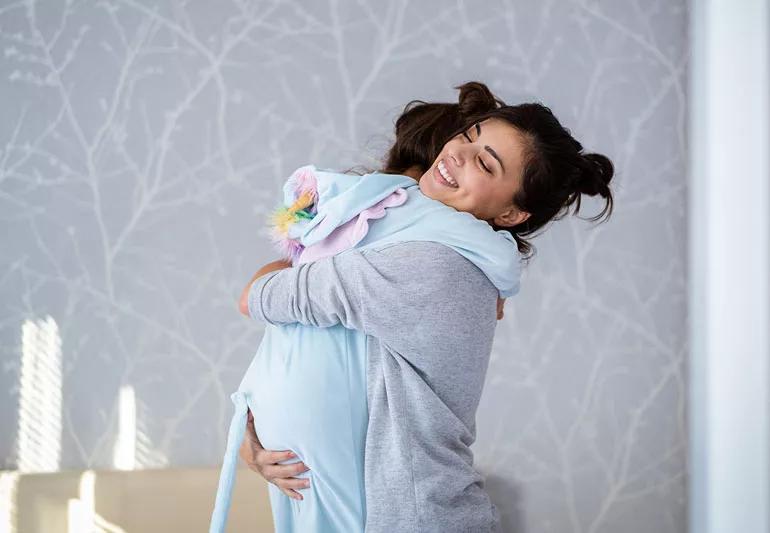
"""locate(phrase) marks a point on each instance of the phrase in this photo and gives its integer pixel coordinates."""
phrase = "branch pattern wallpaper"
(143, 143)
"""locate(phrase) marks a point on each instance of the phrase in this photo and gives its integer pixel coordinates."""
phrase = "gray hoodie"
(429, 315)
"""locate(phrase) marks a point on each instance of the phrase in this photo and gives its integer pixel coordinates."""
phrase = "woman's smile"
(443, 177)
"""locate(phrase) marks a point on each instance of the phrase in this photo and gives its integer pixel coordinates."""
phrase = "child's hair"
(424, 127)
(556, 171)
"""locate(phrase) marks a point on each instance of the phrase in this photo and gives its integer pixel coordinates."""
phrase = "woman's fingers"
(291, 493)
(293, 483)
(288, 486)
(270, 457)
(282, 477)
(283, 471)
(266, 463)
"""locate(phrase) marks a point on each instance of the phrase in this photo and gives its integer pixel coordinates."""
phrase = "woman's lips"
(440, 179)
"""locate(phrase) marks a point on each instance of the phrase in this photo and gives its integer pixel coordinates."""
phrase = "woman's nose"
(458, 158)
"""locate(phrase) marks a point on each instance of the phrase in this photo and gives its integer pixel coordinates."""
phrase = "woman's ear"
(510, 218)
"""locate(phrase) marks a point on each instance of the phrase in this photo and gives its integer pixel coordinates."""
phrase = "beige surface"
(142, 501)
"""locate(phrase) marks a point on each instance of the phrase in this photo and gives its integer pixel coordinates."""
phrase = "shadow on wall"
(506, 494)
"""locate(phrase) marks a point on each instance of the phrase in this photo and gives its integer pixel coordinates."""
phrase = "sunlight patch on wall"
(39, 441)
(133, 447)
(124, 456)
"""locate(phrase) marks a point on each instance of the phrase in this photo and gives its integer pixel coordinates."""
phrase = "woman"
(429, 316)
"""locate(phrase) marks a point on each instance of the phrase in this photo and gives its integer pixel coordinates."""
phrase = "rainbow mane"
(305, 188)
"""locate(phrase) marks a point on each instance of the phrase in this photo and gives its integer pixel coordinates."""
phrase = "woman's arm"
(326, 292)
(379, 292)
(243, 304)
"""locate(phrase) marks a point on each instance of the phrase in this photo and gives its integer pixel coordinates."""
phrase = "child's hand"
(275, 265)
(243, 302)
(265, 463)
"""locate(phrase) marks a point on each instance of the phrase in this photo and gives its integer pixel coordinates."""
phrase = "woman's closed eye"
(481, 161)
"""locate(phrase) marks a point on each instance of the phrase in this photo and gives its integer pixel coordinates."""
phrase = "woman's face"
(484, 165)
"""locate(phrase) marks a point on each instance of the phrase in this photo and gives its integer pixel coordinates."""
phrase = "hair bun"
(596, 171)
(476, 98)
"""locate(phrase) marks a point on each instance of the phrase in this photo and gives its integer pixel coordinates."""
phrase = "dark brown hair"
(424, 127)
(556, 171)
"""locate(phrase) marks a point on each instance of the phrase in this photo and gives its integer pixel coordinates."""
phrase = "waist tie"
(227, 474)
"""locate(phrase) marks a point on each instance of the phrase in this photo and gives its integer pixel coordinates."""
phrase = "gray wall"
(142, 144)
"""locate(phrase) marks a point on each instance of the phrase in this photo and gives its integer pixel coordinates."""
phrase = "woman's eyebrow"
(489, 148)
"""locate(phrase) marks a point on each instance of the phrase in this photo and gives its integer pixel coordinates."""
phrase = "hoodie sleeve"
(404, 293)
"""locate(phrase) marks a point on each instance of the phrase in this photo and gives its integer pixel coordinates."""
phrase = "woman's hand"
(243, 303)
(264, 463)
(500, 305)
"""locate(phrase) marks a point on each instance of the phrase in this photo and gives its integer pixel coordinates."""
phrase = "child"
(306, 386)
